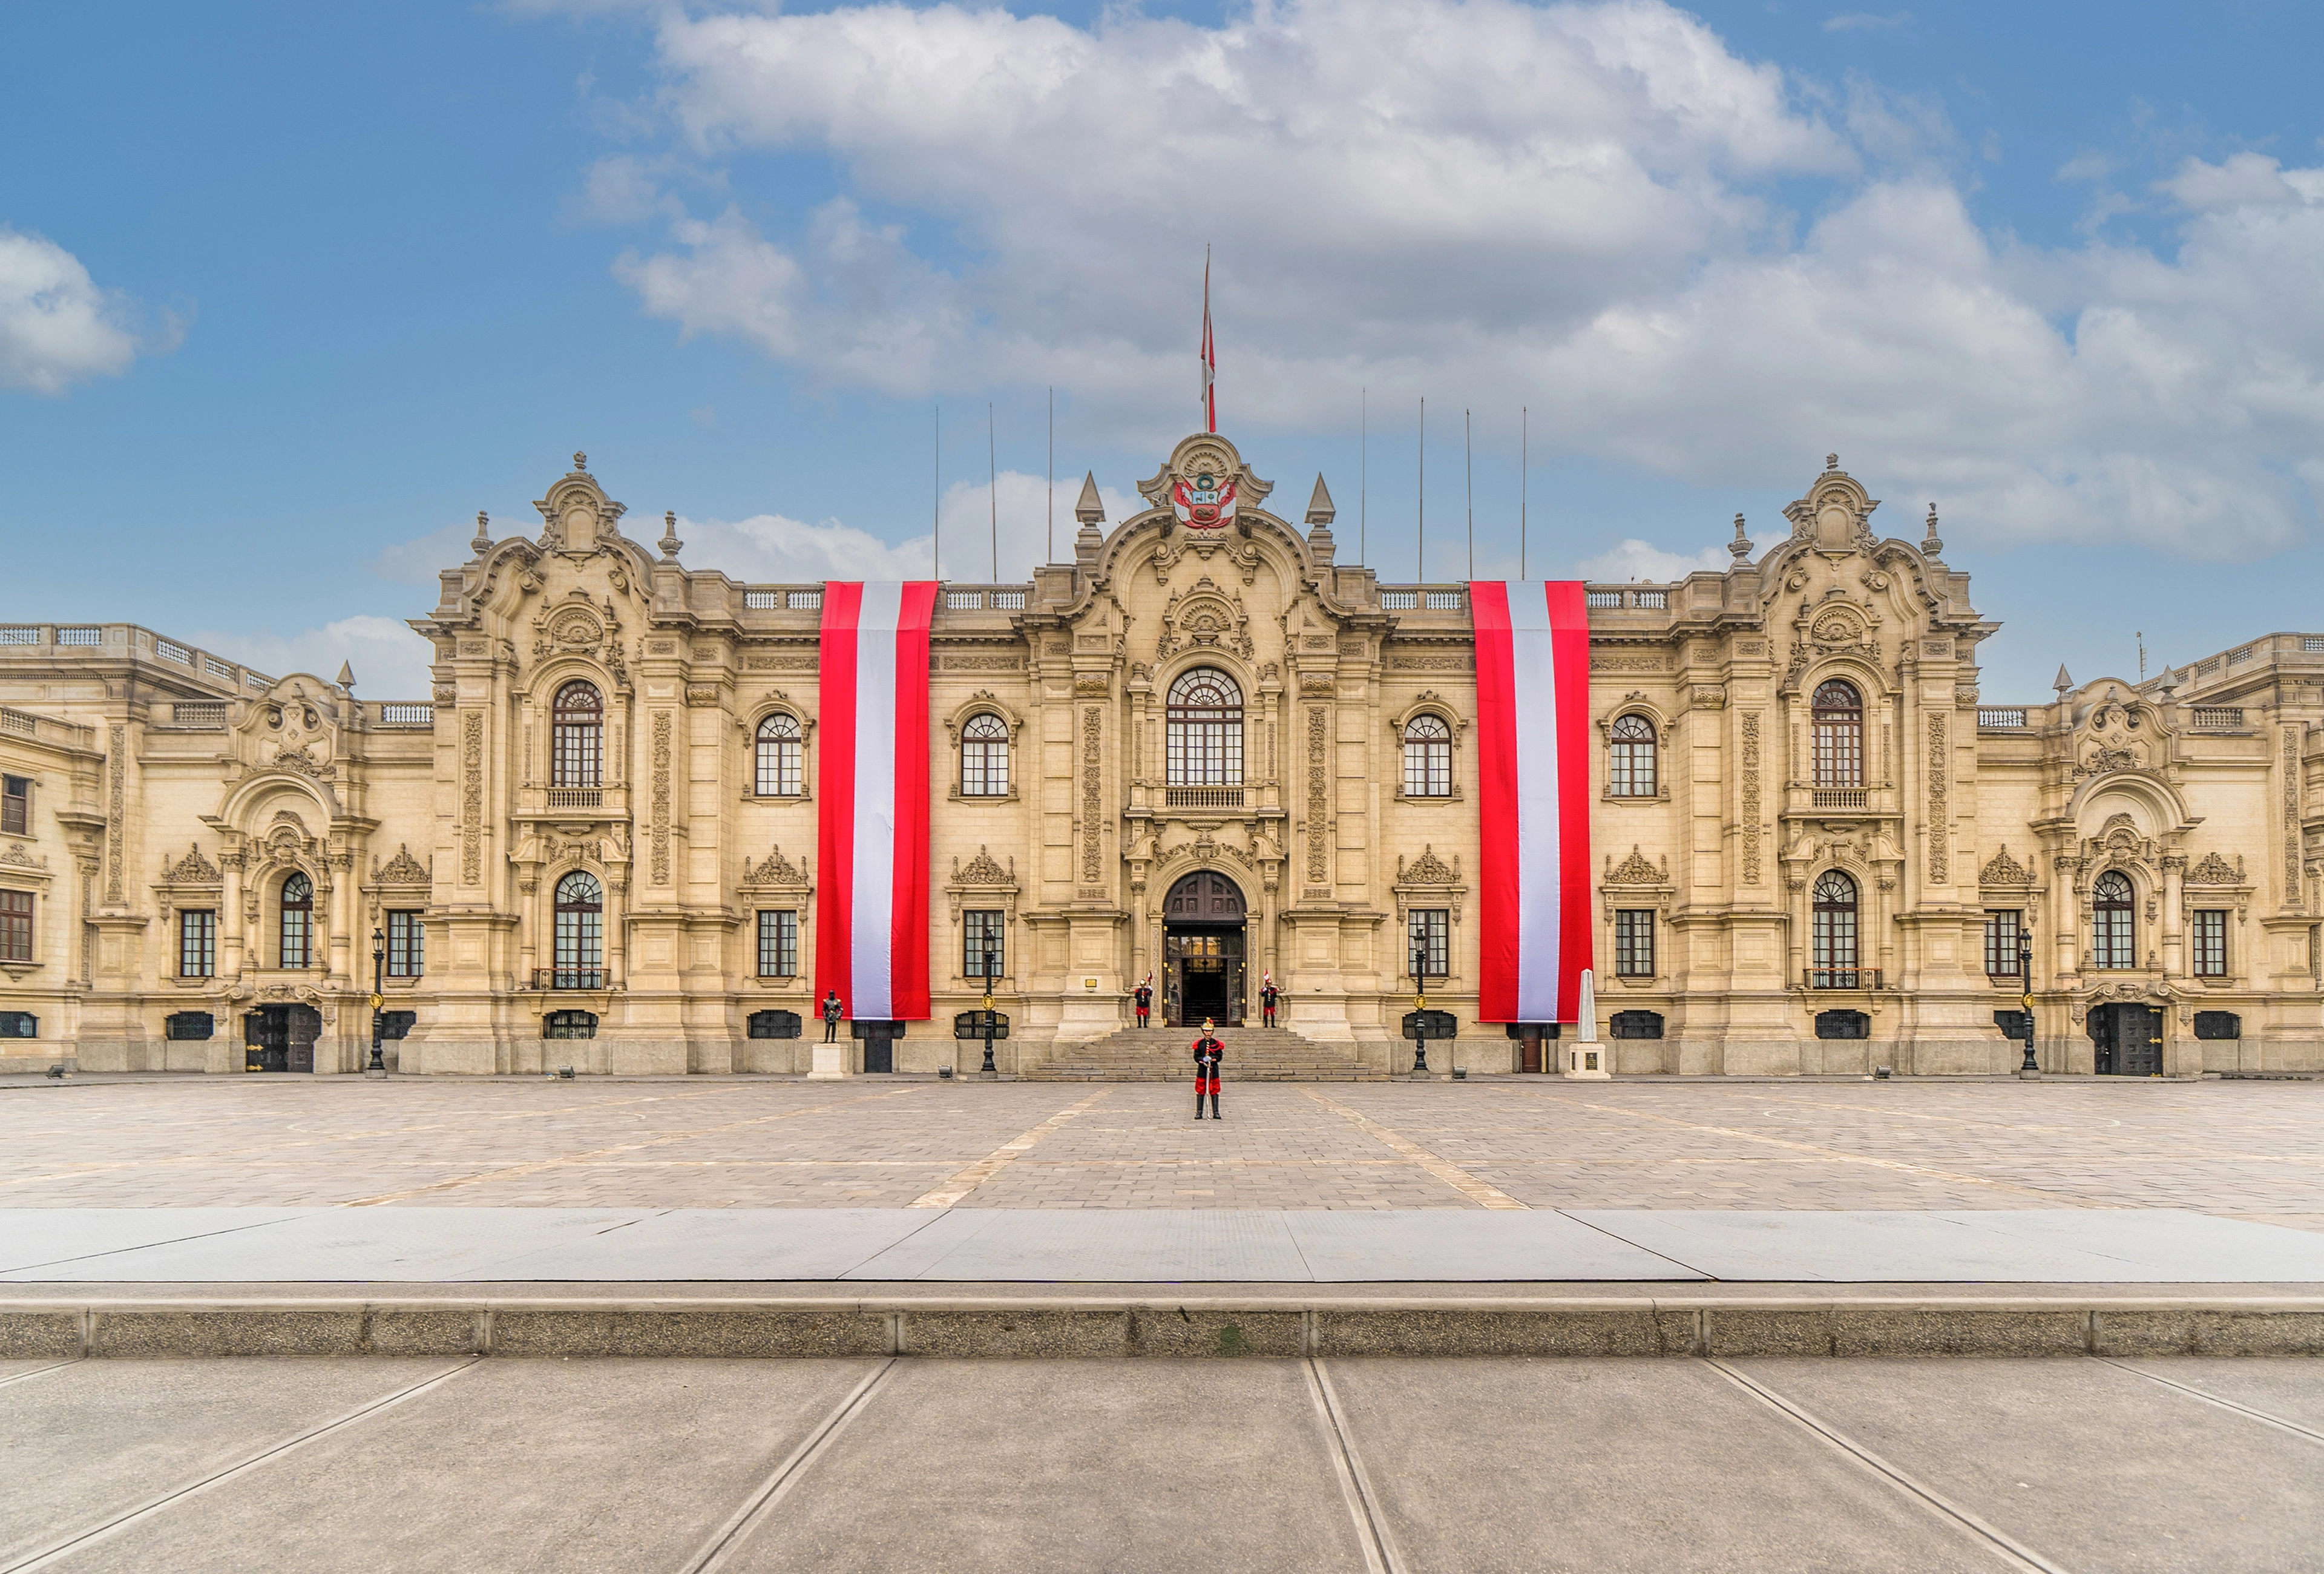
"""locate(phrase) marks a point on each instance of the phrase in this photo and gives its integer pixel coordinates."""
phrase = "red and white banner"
(872, 910)
(1532, 760)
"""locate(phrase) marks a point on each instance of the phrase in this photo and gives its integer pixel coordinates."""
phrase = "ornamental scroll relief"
(1318, 801)
(118, 771)
(1940, 772)
(1093, 793)
(472, 797)
(1750, 798)
(2292, 889)
(661, 752)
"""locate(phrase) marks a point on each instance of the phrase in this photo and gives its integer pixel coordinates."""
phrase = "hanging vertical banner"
(872, 908)
(1533, 763)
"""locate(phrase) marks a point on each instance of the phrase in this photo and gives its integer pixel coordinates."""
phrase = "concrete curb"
(1207, 1326)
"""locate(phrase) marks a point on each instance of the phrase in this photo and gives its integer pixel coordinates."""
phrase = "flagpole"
(1210, 352)
(1052, 548)
(1420, 548)
(1363, 476)
(936, 569)
(1469, 467)
(992, 489)
(1525, 430)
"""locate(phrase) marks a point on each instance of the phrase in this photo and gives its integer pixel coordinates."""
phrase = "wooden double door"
(281, 1038)
(2129, 1040)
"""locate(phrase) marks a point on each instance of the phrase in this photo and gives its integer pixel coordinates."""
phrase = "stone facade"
(161, 781)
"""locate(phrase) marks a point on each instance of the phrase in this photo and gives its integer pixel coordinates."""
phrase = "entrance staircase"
(1166, 1054)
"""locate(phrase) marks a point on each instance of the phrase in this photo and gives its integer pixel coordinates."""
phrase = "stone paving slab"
(1358, 1247)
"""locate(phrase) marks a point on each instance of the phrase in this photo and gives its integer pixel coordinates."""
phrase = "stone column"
(230, 938)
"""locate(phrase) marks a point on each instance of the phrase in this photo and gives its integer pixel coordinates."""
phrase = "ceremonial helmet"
(1208, 1024)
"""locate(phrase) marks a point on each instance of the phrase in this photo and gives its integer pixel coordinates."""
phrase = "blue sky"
(288, 292)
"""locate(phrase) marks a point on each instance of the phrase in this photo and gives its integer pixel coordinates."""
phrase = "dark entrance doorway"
(1203, 954)
(878, 1043)
(2129, 1040)
(281, 1038)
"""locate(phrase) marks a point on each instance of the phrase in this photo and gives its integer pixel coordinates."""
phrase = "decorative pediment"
(2214, 870)
(1634, 870)
(984, 870)
(403, 869)
(16, 857)
(1205, 616)
(2002, 869)
(577, 511)
(297, 761)
(193, 869)
(1428, 869)
(1836, 515)
(777, 870)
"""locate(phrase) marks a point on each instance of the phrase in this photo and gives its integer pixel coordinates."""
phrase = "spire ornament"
(669, 541)
(1932, 543)
(1741, 545)
(483, 541)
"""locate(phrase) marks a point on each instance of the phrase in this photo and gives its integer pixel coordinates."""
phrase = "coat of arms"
(1204, 503)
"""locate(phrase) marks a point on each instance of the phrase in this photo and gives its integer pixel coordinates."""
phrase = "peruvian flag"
(1533, 759)
(871, 913)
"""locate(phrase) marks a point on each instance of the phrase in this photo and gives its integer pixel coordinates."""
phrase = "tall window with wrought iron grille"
(576, 736)
(16, 926)
(984, 757)
(981, 943)
(2208, 939)
(1430, 941)
(2114, 926)
(1831, 931)
(779, 747)
(1634, 942)
(197, 943)
(778, 943)
(406, 940)
(1204, 730)
(1838, 715)
(1427, 757)
(296, 931)
(1630, 757)
(579, 949)
(16, 805)
(2003, 931)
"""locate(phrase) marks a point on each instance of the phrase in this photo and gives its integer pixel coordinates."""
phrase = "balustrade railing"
(1203, 796)
(568, 978)
(1857, 979)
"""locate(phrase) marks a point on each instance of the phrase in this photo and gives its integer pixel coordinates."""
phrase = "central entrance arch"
(1202, 950)
(2127, 1040)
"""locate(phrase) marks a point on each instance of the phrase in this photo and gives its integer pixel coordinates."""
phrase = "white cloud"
(1867, 22)
(1576, 207)
(419, 560)
(56, 327)
(389, 661)
(1637, 559)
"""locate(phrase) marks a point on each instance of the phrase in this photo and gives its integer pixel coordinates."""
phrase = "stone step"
(1164, 1054)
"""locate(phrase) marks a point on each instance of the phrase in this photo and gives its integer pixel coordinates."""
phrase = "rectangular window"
(16, 926)
(197, 944)
(407, 940)
(1634, 942)
(16, 805)
(2002, 936)
(2210, 943)
(1430, 941)
(980, 951)
(778, 944)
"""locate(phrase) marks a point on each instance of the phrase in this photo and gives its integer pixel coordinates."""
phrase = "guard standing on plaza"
(1268, 996)
(1143, 996)
(1208, 1051)
(831, 1016)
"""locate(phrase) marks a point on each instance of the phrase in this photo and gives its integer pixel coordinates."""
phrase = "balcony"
(568, 978)
(1841, 798)
(1203, 796)
(576, 797)
(1857, 979)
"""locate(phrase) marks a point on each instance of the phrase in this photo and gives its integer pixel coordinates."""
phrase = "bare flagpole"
(1052, 549)
(1364, 477)
(1420, 546)
(992, 489)
(936, 460)
(1469, 468)
(1524, 433)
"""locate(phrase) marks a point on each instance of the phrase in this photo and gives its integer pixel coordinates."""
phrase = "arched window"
(580, 944)
(984, 757)
(1427, 757)
(1206, 730)
(1630, 767)
(1832, 933)
(576, 736)
(1838, 712)
(298, 926)
(2114, 939)
(779, 757)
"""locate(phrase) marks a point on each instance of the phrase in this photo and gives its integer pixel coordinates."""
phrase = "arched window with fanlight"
(579, 951)
(1832, 933)
(2114, 931)
(1837, 712)
(296, 930)
(780, 745)
(1630, 762)
(1204, 730)
(1427, 756)
(576, 736)
(984, 757)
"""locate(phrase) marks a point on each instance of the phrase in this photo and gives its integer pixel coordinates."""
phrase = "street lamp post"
(1420, 1002)
(987, 1070)
(378, 998)
(2031, 1068)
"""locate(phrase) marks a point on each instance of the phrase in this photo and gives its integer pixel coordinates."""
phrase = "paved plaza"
(2245, 1149)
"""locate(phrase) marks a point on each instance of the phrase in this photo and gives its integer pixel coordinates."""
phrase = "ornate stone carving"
(2001, 869)
(193, 869)
(1634, 870)
(472, 797)
(984, 870)
(1093, 793)
(1092, 686)
(1750, 770)
(2294, 895)
(403, 869)
(1622, 663)
(1436, 663)
(1318, 793)
(701, 695)
(1709, 696)
(2215, 870)
(16, 857)
(983, 664)
(777, 870)
(786, 661)
(1941, 770)
(116, 778)
(1428, 869)
(1205, 615)
(659, 821)
(1317, 684)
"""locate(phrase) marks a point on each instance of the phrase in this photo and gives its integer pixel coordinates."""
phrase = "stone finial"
(483, 541)
(1932, 543)
(1319, 503)
(1831, 462)
(1741, 545)
(2170, 684)
(1089, 508)
(347, 679)
(2064, 680)
(580, 463)
(669, 541)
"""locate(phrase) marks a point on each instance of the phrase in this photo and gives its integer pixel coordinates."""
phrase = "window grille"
(569, 1024)
(1430, 941)
(778, 944)
(16, 926)
(1634, 1024)
(982, 942)
(2209, 941)
(1634, 942)
(984, 757)
(1843, 1025)
(407, 944)
(2003, 932)
(1838, 714)
(296, 932)
(1630, 757)
(576, 736)
(188, 1025)
(1428, 758)
(19, 1024)
(2114, 942)
(1204, 730)
(197, 944)
(2218, 1025)
(779, 748)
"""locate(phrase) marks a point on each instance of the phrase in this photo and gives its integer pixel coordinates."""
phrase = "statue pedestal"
(830, 1061)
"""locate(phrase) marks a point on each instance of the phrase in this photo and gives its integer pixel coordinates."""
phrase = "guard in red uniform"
(1144, 997)
(1268, 996)
(1208, 1051)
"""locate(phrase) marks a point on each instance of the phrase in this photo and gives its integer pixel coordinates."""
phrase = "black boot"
(1214, 1108)
(1198, 1106)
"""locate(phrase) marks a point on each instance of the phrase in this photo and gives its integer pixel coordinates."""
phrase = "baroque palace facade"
(1210, 756)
